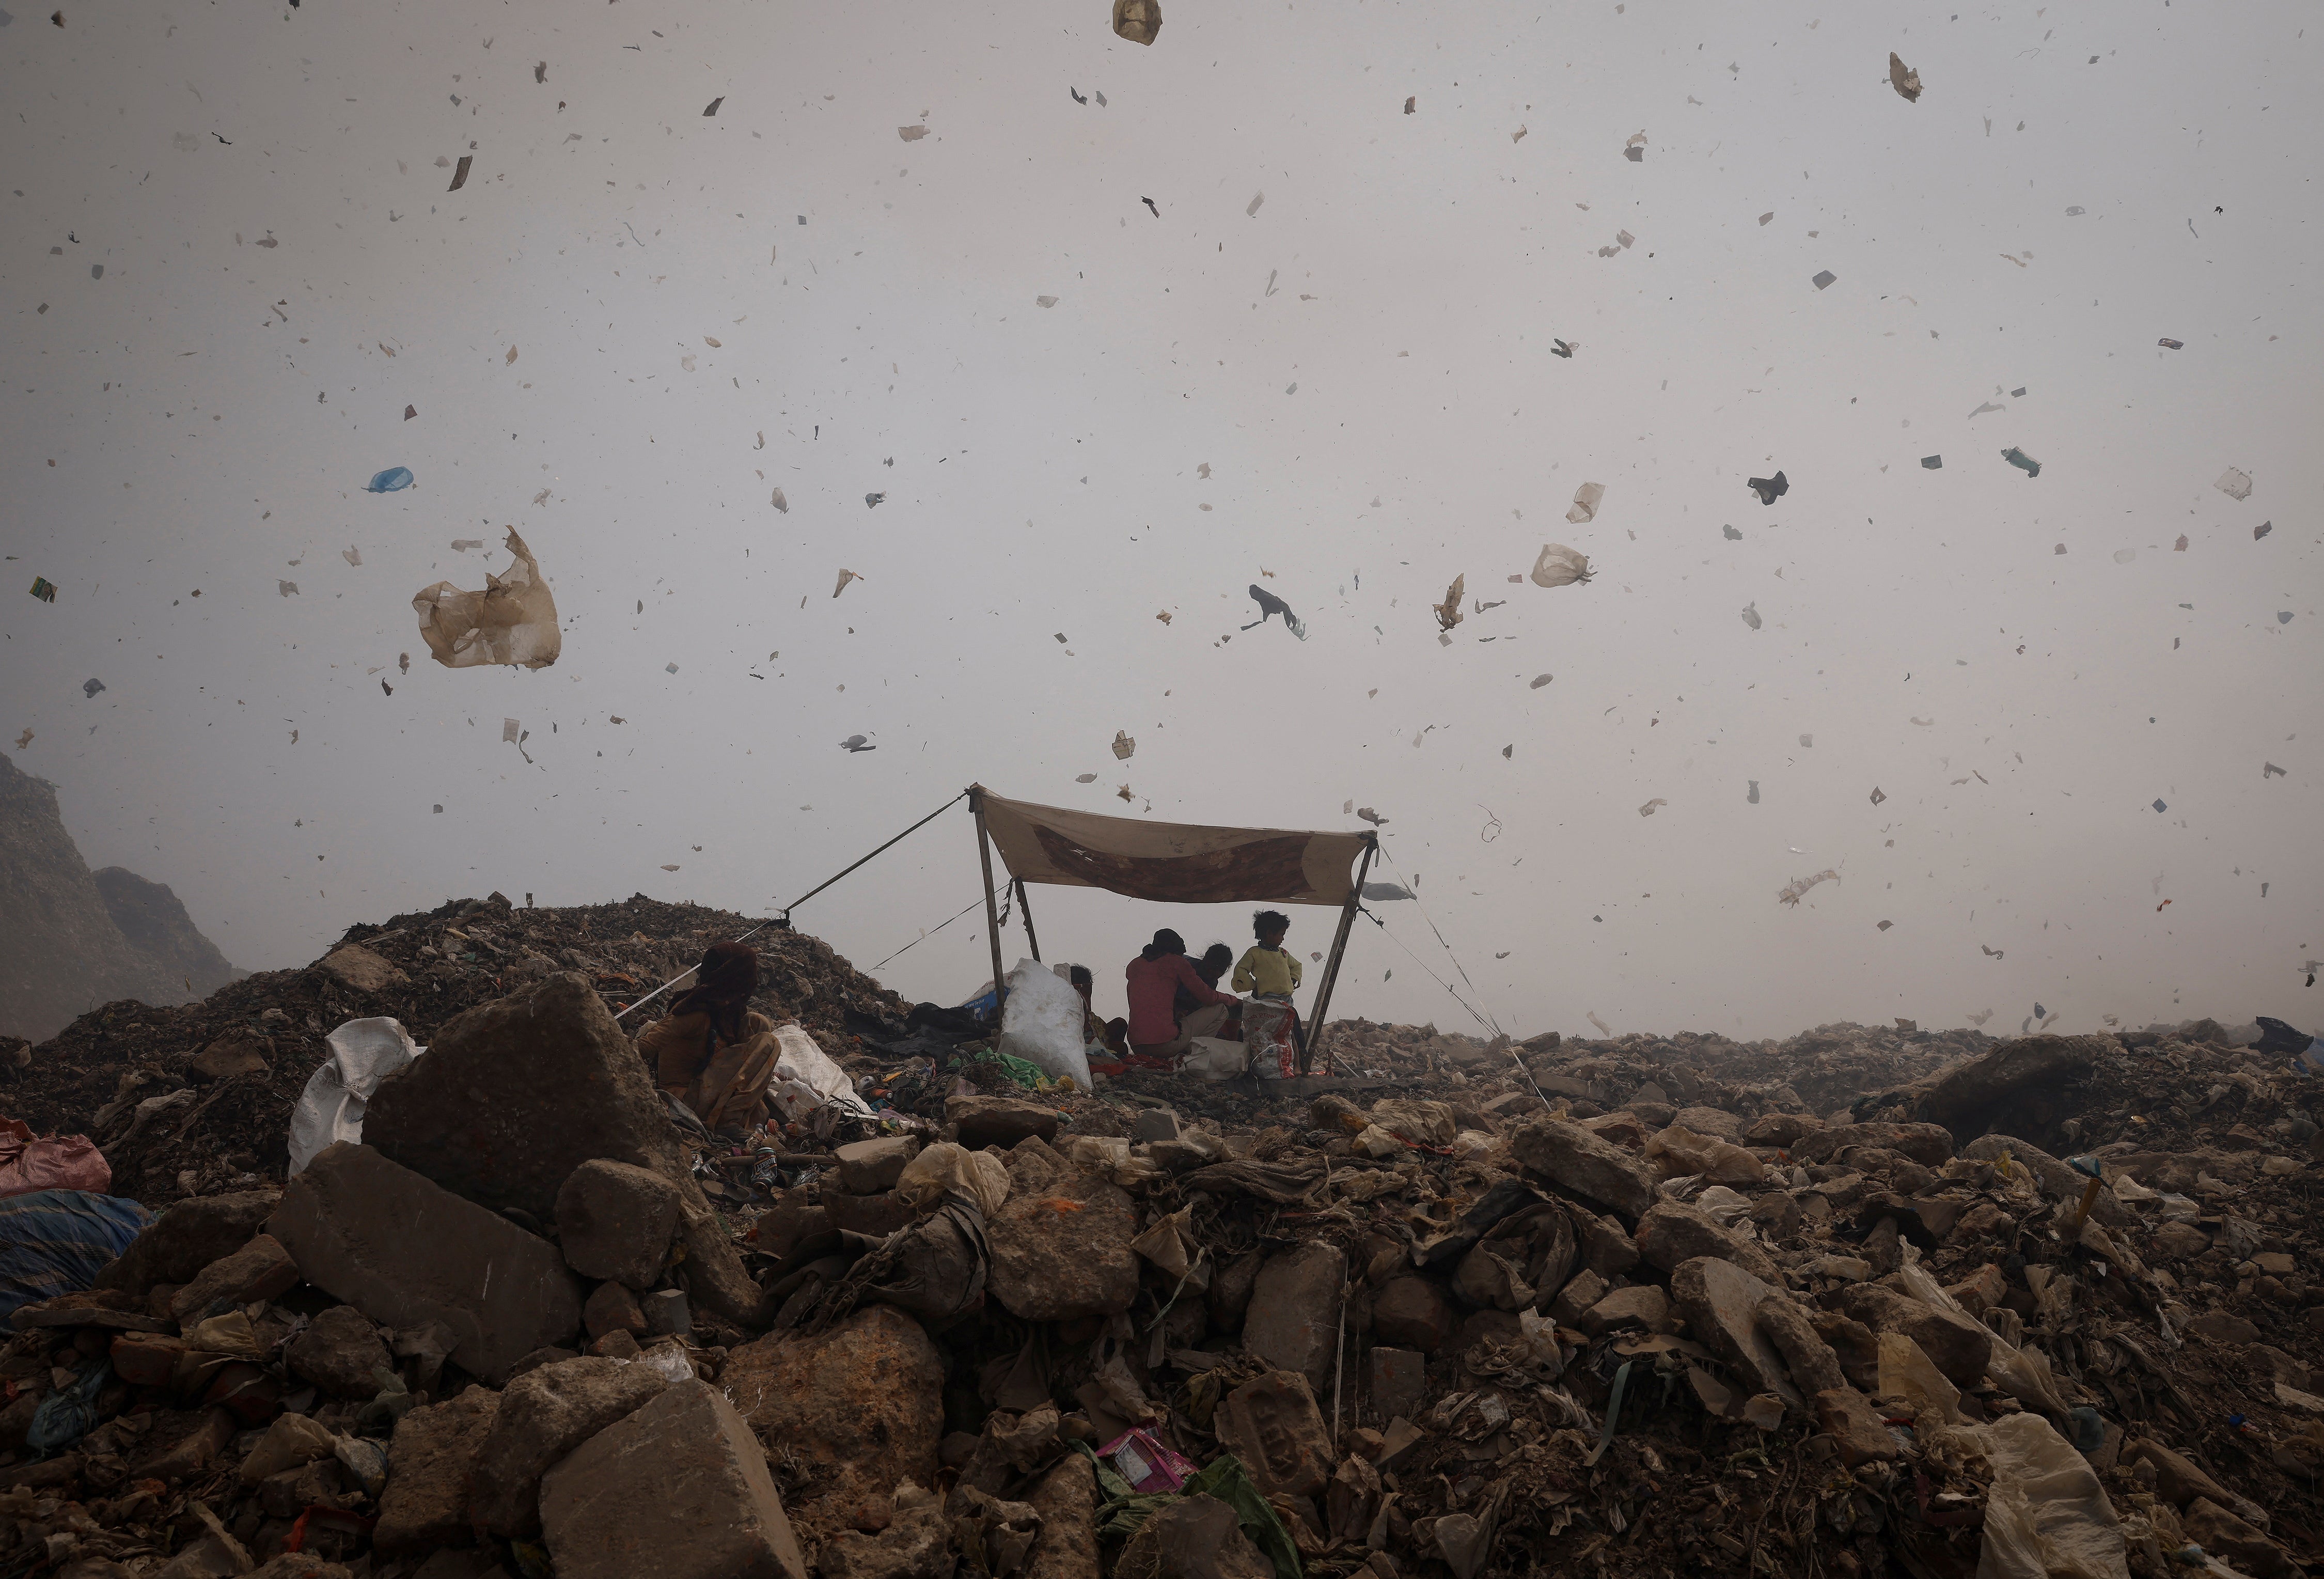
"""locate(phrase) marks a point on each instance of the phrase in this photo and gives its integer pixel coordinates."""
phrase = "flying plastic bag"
(1585, 503)
(1560, 565)
(1041, 1023)
(1137, 20)
(363, 1053)
(512, 620)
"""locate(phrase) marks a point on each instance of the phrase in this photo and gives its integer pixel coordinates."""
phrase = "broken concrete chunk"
(1671, 1232)
(407, 1253)
(430, 1466)
(544, 1415)
(338, 1352)
(1412, 1312)
(1720, 1302)
(1064, 1250)
(614, 1220)
(189, 1236)
(1294, 1320)
(358, 967)
(261, 1270)
(871, 1168)
(1810, 1360)
(1857, 1432)
(678, 1489)
(1193, 1538)
(1273, 1426)
(1956, 1346)
(999, 1121)
(1573, 1158)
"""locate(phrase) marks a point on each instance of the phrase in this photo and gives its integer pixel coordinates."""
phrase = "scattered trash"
(2234, 484)
(89, 687)
(44, 589)
(1635, 150)
(286, 589)
(1905, 79)
(2267, 768)
(460, 176)
(1137, 19)
(911, 134)
(1770, 489)
(1448, 613)
(390, 480)
(1753, 798)
(1751, 615)
(1268, 606)
(2173, 345)
(2262, 530)
(1559, 566)
(855, 742)
(1558, 347)
(1585, 503)
(1124, 746)
(1799, 886)
(512, 620)
(1255, 199)
(871, 500)
(1369, 816)
(2160, 806)
(1876, 796)
(1933, 462)
(1824, 278)
(2022, 461)
(844, 578)
(1085, 779)
(712, 107)
(1648, 809)
(1538, 682)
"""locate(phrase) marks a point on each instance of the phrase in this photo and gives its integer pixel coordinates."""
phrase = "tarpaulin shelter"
(1174, 862)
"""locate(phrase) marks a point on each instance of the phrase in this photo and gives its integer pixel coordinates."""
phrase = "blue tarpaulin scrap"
(56, 1242)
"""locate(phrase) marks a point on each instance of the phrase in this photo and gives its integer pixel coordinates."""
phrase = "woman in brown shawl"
(713, 1051)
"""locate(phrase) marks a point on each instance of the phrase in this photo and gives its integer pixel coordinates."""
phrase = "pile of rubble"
(1465, 1309)
(195, 1099)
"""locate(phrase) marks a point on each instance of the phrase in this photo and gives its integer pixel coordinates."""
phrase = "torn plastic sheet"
(1751, 615)
(1448, 613)
(2173, 345)
(1933, 462)
(1585, 503)
(390, 480)
(1769, 489)
(1559, 566)
(1268, 606)
(1903, 79)
(2022, 461)
(1124, 746)
(2235, 484)
(1137, 20)
(844, 578)
(1824, 278)
(1799, 886)
(512, 620)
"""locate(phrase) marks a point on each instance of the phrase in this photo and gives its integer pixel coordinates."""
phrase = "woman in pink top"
(1155, 977)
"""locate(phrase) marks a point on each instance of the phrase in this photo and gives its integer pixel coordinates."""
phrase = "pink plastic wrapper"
(50, 1162)
(1148, 1465)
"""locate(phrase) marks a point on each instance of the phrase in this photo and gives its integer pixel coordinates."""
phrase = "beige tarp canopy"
(1176, 863)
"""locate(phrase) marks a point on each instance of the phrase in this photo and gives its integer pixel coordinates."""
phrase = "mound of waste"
(2031, 1306)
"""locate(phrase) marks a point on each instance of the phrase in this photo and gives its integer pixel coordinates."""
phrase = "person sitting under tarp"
(1213, 967)
(1156, 976)
(713, 1051)
(1105, 1040)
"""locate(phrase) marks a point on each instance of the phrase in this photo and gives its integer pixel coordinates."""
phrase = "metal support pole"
(1025, 909)
(1339, 947)
(992, 908)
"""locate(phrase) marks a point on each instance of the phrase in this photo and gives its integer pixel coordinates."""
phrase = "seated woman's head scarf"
(1165, 942)
(723, 984)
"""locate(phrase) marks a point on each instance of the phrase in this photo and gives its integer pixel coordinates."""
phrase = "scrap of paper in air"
(460, 176)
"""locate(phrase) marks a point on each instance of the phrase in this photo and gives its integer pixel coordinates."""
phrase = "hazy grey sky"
(265, 194)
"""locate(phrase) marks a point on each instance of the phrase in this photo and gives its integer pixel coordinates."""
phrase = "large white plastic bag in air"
(1041, 1023)
(364, 1052)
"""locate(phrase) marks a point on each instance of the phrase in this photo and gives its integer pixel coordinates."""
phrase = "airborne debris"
(512, 620)
(1268, 606)
(1448, 613)
(1824, 278)
(2022, 461)
(1585, 503)
(1124, 746)
(390, 480)
(1933, 462)
(2235, 484)
(855, 742)
(1903, 79)
(1799, 886)
(1769, 489)
(1369, 816)
(873, 500)
(1137, 19)
(460, 176)
(1538, 682)
(89, 687)
(1751, 613)
(44, 589)
(2173, 345)
(1559, 566)
(1648, 809)
(844, 578)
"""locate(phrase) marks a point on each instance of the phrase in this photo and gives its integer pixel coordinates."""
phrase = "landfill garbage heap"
(1639, 1306)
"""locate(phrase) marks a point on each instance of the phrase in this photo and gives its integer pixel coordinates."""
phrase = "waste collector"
(713, 1051)
(1156, 976)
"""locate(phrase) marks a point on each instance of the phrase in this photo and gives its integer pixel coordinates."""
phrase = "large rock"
(261, 1270)
(1605, 1246)
(1930, 1145)
(431, 1461)
(677, 1489)
(406, 1254)
(1411, 1311)
(1956, 1346)
(861, 1407)
(614, 1221)
(999, 1121)
(1193, 1538)
(1573, 1158)
(516, 1093)
(1671, 1232)
(1780, 1128)
(356, 966)
(1273, 1425)
(1971, 1089)
(2221, 1533)
(544, 1415)
(340, 1352)
(189, 1236)
(1811, 1361)
(1067, 1500)
(1062, 1249)
(916, 1546)
(1293, 1323)
(1858, 1432)
(871, 1168)
(1720, 1302)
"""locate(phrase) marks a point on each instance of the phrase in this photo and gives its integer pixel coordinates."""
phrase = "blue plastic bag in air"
(390, 480)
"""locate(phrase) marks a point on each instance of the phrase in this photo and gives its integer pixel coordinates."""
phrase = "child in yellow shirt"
(1268, 971)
